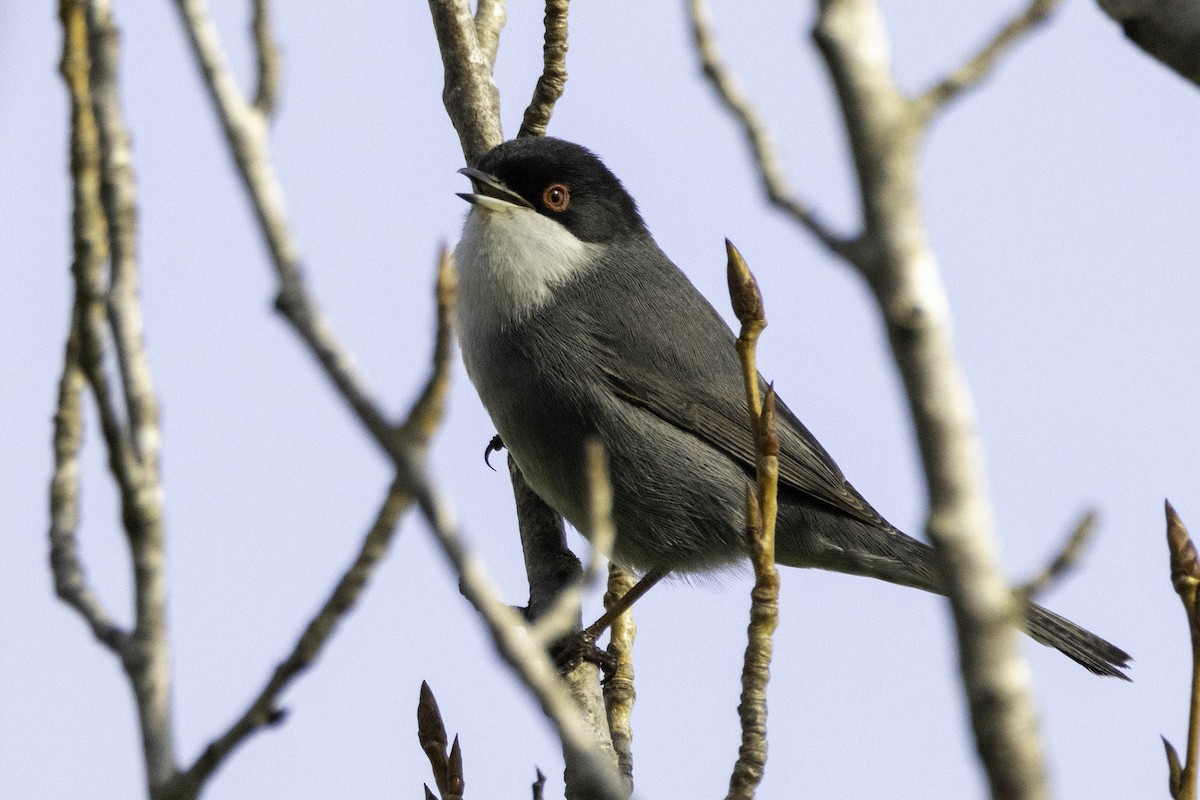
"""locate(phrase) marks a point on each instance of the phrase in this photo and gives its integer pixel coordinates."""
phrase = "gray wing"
(804, 466)
(663, 348)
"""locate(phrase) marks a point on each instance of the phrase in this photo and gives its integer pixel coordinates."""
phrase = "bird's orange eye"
(556, 197)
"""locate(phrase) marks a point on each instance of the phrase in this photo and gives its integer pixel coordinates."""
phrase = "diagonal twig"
(765, 156)
(264, 709)
(427, 410)
(1067, 557)
(980, 65)
(246, 130)
(553, 79)
(423, 418)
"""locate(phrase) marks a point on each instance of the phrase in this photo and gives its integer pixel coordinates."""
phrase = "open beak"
(490, 192)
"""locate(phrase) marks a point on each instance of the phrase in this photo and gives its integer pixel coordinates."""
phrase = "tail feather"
(1081, 646)
(860, 548)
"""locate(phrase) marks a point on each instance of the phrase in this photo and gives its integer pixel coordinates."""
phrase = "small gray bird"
(574, 324)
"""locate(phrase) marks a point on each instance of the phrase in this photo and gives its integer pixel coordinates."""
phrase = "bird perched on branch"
(574, 325)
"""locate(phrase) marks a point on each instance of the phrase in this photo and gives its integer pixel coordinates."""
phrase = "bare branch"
(1167, 30)
(901, 269)
(470, 96)
(489, 21)
(1066, 559)
(264, 710)
(554, 71)
(105, 226)
(766, 159)
(89, 249)
(267, 93)
(980, 65)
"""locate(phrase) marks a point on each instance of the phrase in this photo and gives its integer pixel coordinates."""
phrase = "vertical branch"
(554, 71)
(469, 94)
(105, 226)
(619, 690)
(884, 128)
(1185, 576)
(760, 534)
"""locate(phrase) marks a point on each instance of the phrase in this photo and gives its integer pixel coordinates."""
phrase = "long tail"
(887, 554)
(1081, 646)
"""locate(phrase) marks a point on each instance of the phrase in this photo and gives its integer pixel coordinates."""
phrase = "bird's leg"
(625, 602)
(582, 645)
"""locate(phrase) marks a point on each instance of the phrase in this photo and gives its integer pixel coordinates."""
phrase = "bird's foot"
(580, 647)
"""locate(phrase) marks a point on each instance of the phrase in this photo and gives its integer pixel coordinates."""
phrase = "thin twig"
(760, 534)
(424, 417)
(427, 410)
(264, 709)
(619, 691)
(70, 579)
(765, 157)
(469, 94)
(980, 65)
(1067, 558)
(266, 95)
(1185, 577)
(554, 71)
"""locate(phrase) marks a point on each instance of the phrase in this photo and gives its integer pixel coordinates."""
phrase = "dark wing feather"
(804, 466)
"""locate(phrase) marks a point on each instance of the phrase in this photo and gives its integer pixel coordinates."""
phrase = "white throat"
(510, 259)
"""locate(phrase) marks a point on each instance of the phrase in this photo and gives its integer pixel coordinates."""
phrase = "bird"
(574, 325)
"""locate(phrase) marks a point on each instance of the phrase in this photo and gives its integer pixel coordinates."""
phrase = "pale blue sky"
(1061, 200)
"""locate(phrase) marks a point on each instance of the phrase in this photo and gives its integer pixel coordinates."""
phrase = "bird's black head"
(564, 182)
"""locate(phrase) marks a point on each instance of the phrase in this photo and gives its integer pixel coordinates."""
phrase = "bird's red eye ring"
(556, 197)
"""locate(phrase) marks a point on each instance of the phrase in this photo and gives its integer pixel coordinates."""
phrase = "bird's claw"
(581, 647)
(494, 446)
